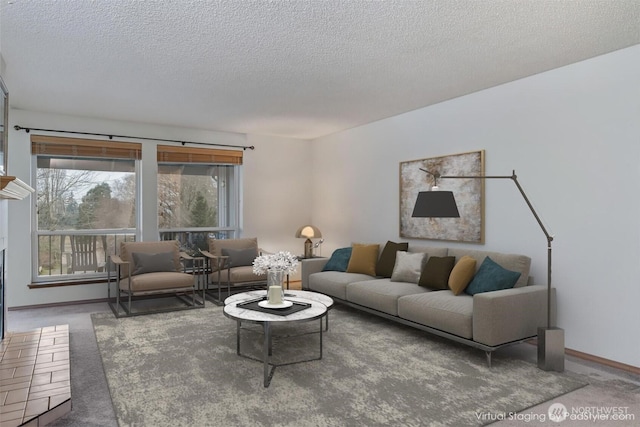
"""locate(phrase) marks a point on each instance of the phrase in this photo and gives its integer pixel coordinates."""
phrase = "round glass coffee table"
(310, 306)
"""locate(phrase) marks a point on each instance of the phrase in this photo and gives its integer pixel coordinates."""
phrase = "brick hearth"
(35, 386)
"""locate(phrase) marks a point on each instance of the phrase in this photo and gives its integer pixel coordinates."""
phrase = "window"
(198, 194)
(88, 201)
(86, 204)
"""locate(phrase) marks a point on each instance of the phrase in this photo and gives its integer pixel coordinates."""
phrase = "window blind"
(180, 154)
(78, 147)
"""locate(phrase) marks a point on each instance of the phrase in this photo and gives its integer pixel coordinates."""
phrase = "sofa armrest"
(309, 266)
(511, 314)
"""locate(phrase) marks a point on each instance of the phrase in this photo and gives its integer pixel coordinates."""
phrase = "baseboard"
(597, 359)
(58, 304)
(602, 361)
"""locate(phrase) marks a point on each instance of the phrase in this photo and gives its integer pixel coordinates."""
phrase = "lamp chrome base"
(551, 349)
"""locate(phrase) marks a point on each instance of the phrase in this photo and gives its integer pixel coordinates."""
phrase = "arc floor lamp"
(442, 204)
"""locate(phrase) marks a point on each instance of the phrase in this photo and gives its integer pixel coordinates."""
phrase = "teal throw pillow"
(492, 277)
(339, 260)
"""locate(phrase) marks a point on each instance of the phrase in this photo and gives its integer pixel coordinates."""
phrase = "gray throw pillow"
(240, 257)
(152, 262)
(408, 267)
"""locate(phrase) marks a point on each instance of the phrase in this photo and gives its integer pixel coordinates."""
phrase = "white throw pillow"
(408, 266)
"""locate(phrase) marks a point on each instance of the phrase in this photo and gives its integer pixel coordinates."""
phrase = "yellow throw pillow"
(363, 259)
(461, 275)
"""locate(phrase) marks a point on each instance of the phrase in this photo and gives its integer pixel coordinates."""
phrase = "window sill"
(55, 284)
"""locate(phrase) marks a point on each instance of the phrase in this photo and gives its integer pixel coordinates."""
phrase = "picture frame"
(469, 195)
(4, 127)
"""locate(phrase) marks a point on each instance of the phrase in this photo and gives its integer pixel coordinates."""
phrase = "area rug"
(181, 369)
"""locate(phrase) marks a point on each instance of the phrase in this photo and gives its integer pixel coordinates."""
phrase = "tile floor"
(35, 382)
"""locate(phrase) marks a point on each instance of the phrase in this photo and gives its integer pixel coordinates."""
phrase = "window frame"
(62, 147)
(181, 155)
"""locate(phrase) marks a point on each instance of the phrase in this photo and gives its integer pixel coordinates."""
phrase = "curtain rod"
(111, 136)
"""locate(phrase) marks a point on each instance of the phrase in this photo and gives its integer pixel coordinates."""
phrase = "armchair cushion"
(240, 257)
(157, 282)
(217, 245)
(152, 263)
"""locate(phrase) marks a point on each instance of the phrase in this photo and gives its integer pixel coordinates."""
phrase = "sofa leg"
(488, 353)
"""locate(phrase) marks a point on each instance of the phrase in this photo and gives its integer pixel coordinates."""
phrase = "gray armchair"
(231, 265)
(152, 269)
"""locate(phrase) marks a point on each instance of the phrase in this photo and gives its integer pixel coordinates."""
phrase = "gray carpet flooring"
(92, 405)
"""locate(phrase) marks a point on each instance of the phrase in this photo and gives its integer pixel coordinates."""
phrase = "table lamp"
(309, 232)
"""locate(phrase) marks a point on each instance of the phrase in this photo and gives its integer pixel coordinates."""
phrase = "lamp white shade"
(309, 232)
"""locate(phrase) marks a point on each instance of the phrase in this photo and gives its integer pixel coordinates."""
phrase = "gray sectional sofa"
(487, 321)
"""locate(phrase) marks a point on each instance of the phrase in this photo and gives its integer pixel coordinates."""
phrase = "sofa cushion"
(152, 262)
(435, 274)
(339, 260)
(334, 283)
(381, 294)
(440, 310)
(492, 277)
(461, 275)
(513, 262)
(429, 250)
(387, 261)
(240, 257)
(363, 259)
(408, 267)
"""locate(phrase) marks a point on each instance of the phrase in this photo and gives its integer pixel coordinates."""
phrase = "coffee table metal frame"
(317, 311)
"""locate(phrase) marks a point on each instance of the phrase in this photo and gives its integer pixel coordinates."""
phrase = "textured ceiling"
(291, 68)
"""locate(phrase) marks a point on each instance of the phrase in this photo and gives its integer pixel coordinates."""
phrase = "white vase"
(275, 290)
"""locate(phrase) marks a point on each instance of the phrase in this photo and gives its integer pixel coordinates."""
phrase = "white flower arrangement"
(282, 260)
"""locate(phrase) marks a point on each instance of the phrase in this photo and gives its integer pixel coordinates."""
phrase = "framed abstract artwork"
(469, 195)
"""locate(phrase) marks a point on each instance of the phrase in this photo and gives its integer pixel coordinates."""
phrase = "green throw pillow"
(435, 274)
(339, 260)
(491, 277)
(387, 260)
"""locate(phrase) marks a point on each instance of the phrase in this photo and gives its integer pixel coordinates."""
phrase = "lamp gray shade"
(435, 204)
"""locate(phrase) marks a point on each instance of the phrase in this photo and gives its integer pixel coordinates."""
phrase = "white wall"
(277, 193)
(274, 182)
(573, 137)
